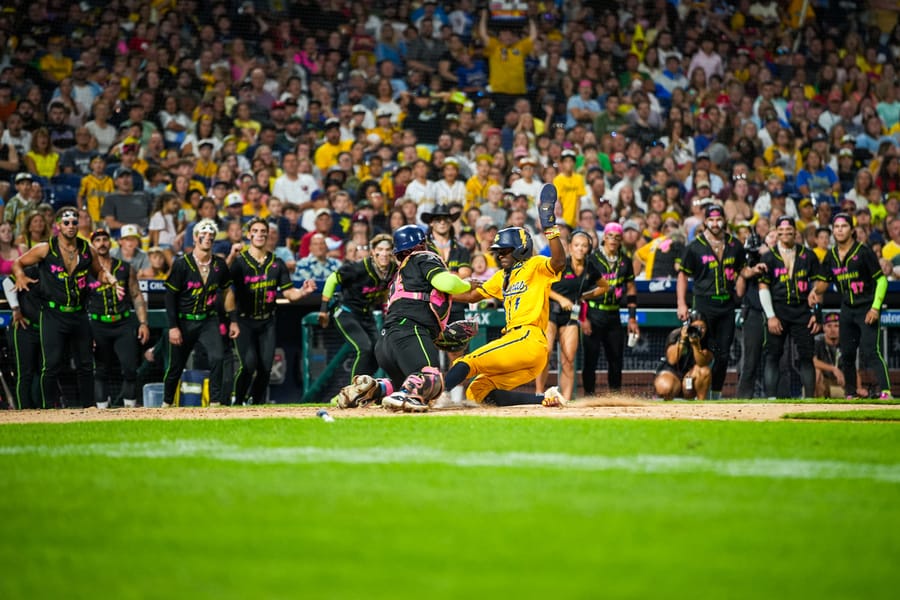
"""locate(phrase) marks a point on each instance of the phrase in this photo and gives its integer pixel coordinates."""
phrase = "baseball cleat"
(548, 193)
(553, 398)
(360, 392)
(403, 401)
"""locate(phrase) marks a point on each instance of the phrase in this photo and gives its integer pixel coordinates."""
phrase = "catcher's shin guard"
(425, 385)
(363, 390)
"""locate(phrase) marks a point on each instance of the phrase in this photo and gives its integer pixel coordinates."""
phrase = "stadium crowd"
(334, 122)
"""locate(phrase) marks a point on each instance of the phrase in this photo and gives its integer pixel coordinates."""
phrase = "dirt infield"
(622, 408)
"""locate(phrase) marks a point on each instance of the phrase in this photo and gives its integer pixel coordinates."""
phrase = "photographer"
(714, 260)
(685, 370)
(783, 292)
(752, 323)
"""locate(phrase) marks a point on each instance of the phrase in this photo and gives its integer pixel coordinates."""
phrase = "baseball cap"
(233, 199)
(24, 177)
(100, 232)
(332, 122)
(359, 108)
(322, 211)
(832, 317)
(630, 224)
(702, 184)
(129, 231)
(121, 172)
(568, 154)
(846, 152)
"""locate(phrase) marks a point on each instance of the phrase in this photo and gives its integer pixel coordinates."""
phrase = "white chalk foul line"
(772, 468)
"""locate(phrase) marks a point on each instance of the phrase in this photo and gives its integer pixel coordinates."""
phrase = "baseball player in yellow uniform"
(523, 284)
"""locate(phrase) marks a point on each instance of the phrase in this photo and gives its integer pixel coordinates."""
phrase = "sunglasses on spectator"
(739, 176)
(68, 222)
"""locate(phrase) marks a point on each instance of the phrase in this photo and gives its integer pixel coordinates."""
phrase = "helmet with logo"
(516, 238)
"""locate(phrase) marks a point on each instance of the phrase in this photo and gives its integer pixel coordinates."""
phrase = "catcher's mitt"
(457, 334)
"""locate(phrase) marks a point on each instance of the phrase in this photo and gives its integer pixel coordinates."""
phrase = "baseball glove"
(457, 334)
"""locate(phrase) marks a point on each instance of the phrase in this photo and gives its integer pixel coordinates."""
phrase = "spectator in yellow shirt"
(94, 188)
(479, 183)
(570, 186)
(327, 154)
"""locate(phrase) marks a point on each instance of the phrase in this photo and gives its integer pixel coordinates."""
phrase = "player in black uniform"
(418, 310)
(603, 326)
(258, 276)
(714, 260)
(364, 287)
(784, 295)
(854, 269)
(194, 283)
(25, 339)
(117, 324)
(64, 264)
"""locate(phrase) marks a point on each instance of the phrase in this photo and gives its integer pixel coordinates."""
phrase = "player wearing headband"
(63, 265)
(714, 260)
(853, 268)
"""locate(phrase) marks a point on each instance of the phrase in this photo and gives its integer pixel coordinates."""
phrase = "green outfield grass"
(453, 507)
(848, 415)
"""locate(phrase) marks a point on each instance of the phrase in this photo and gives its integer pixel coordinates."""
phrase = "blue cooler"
(153, 395)
(192, 387)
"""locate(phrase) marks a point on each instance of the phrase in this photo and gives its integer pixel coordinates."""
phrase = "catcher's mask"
(517, 239)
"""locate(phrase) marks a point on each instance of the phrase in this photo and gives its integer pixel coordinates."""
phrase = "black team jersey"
(256, 285)
(58, 287)
(570, 285)
(790, 290)
(854, 276)
(417, 271)
(362, 288)
(617, 273)
(186, 294)
(713, 277)
(103, 300)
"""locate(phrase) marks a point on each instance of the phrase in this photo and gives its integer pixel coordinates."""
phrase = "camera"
(694, 332)
(752, 248)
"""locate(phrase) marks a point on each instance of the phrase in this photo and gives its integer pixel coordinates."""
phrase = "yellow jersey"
(476, 192)
(507, 65)
(92, 193)
(527, 294)
(571, 189)
(327, 154)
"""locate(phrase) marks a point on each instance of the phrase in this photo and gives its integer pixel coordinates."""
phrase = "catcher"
(417, 312)
(523, 284)
(686, 368)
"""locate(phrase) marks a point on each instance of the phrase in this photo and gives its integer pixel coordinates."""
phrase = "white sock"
(458, 394)
(103, 405)
(129, 403)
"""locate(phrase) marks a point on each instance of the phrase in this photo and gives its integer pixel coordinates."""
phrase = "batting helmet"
(515, 238)
(407, 238)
